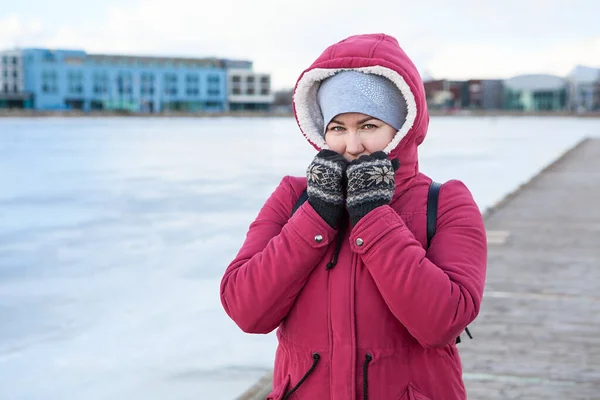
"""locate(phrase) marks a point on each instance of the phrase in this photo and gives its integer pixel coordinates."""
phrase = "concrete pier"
(538, 333)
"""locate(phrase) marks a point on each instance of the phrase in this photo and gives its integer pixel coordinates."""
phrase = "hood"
(378, 54)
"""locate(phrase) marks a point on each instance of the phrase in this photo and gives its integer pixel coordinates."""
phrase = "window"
(265, 85)
(147, 77)
(15, 61)
(192, 85)
(214, 85)
(75, 82)
(147, 83)
(170, 84)
(125, 83)
(49, 82)
(250, 91)
(100, 83)
(236, 79)
(236, 91)
(249, 79)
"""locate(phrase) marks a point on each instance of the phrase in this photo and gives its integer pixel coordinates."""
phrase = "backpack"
(432, 208)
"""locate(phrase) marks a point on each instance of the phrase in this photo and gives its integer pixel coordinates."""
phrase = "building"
(460, 94)
(584, 93)
(536, 93)
(492, 96)
(436, 94)
(249, 91)
(44, 79)
(12, 81)
(444, 94)
(473, 94)
(283, 101)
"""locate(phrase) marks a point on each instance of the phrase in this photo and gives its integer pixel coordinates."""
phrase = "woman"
(365, 309)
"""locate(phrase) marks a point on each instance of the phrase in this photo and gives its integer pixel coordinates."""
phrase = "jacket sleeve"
(277, 257)
(434, 294)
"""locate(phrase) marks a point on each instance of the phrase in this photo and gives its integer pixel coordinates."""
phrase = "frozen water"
(114, 234)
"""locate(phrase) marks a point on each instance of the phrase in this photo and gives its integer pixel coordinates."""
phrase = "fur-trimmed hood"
(371, 53)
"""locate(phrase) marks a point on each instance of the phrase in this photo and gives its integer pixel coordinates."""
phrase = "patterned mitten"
(371, 184)
(325, 188)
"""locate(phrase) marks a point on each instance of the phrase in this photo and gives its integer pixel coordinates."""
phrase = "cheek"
(335, 143)
(377, 142)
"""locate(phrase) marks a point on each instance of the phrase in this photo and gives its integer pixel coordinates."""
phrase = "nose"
(354, 146)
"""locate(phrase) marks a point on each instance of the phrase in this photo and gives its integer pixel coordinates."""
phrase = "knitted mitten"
(324, 185)
(371, 184)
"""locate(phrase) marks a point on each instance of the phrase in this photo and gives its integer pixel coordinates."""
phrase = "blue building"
(44, 79)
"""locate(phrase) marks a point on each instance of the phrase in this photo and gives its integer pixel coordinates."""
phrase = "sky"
(461, 39)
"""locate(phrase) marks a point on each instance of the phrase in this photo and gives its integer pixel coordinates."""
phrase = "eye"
(368, 127)
(336, 128)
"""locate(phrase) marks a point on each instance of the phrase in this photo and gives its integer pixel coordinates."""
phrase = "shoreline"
(274, 114)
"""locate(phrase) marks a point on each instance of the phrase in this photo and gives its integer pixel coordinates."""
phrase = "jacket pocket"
(279, 392)
(413, 394)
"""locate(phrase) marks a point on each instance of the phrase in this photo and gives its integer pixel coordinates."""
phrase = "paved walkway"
(538, 334)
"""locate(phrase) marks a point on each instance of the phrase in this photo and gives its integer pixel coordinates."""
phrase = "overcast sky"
(447, 39)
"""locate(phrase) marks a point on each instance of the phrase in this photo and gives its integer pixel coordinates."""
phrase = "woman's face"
(354, 134)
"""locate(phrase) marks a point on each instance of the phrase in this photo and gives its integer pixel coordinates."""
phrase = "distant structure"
(473, 94)
(584, 91)
(44, 79)
(536, 93)
(579, 91)
(492, 94)
(248, 90)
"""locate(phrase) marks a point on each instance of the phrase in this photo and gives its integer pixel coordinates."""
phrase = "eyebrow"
(362, 121)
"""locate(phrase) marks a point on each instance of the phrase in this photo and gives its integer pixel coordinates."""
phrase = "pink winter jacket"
(382, 323)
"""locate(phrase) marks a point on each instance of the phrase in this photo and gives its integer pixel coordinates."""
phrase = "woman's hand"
(371, 184)
(325, 187)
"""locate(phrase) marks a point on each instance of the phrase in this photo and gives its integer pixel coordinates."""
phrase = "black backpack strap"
(303, 197)
(432, 208)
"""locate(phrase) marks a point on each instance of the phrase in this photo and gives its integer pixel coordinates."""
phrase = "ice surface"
(114, 234)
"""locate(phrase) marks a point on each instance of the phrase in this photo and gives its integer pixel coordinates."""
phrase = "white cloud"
(463, 61)
(281, 39)
(15, 31)
(464, 39)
